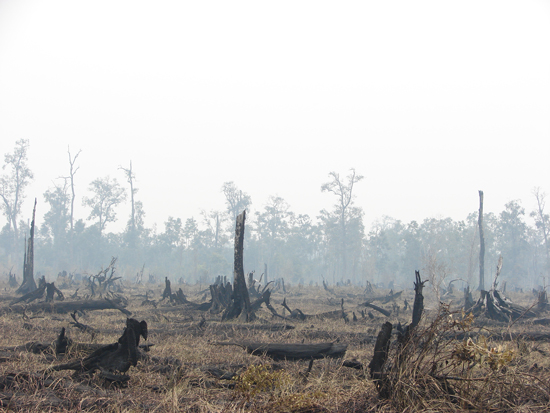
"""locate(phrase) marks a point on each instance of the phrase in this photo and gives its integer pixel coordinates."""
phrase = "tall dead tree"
(239, 307)
(72, 172)
(481, 245)
(29, 285)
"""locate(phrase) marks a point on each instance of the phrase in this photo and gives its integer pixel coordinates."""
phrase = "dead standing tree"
(239, 307)
(29, 285)
(481, 245)
(378, 373)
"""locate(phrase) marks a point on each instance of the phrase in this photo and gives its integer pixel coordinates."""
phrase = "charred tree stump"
(51, 289)
(418, 308)
(376, 366)
(220, 297)
(252, 292)
(167, 293)
(12, 279)
(112, 359)
(239, 307)
(28, 284)
(542, 301)
(468, 299)
(495, 307)
(368, 288)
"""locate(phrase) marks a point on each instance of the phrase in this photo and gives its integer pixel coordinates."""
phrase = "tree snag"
(239, 307)
(481, 245)
(376, 366)
(29, 285)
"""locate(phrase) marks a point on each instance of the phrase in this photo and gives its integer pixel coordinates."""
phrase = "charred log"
(285, 351)
(68, 306)
(379, 309)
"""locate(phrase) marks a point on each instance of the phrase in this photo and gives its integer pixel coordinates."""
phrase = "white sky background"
(429, 100)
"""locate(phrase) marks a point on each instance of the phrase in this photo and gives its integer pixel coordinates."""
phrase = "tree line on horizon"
(333, 246)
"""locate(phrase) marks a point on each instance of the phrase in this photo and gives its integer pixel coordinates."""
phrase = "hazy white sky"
(429, 100)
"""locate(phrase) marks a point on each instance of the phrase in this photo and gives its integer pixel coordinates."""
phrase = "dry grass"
(482, 376)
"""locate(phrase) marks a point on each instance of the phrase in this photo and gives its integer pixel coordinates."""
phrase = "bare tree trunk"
(481, 245)
(72, 173)
(29, 285)
(240, 304)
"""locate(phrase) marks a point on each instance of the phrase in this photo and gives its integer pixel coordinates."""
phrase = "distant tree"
(513, 241)
(385, 249)
(73, 169)
(344, 214)
(172, 235)
(57, 218)
(107, 195)
(213, 233)
(303, 248)
(236, 200)
(13, 184)
(135, 225)
(72, 172)
(273, 225)
(274, 220)
(190, 231)
(130, 177)
(542, 223)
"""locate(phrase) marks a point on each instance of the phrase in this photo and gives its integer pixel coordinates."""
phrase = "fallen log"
(219, 328)
(66, 307)
(297, 314)
(285, 351)
(385, 298)
(375, 307)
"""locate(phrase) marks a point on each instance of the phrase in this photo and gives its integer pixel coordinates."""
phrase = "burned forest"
(243, 343)
(270, 310)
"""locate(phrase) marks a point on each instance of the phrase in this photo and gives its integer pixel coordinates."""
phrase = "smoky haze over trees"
(17, 175)
(334, 246)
